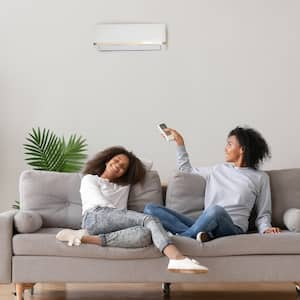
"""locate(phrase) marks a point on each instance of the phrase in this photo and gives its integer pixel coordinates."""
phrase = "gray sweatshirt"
(235, 189)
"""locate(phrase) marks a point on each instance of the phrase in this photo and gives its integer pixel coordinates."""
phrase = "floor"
(244, 291)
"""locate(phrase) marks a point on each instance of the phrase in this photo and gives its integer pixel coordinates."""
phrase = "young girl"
(106, 220)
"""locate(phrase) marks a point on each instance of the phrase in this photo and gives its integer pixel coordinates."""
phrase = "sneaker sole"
(182, 271)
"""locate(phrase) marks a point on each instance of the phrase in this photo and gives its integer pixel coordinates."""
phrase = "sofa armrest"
(6, 234)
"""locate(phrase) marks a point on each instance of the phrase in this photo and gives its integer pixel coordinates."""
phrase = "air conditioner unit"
(130, 37)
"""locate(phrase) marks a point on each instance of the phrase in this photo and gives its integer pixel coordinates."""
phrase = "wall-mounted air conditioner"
(130, 37)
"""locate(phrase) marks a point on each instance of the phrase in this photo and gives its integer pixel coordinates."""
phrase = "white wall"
(227, 63)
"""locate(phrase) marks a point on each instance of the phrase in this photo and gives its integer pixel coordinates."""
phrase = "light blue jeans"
(215, 221)
(125, 228)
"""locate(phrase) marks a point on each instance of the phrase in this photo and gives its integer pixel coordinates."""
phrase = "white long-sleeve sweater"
(97, 191)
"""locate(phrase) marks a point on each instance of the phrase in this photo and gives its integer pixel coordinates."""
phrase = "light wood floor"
(266, 291)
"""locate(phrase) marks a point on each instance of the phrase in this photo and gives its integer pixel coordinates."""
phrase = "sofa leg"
(166, 288)
(20, 288)
(297, 289)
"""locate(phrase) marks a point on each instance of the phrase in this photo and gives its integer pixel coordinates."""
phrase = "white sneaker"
(186, 265)
(73, 237)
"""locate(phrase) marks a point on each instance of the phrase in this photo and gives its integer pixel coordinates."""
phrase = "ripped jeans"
(125, 228)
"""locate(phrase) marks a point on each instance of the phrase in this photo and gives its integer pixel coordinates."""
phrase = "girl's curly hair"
(135, 172)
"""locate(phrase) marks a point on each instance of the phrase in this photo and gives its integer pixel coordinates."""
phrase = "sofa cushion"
(185, 194)
(285, 243)
(148, 191)
(27, 221)
(55, 196)
(44, 243)
(291, 219)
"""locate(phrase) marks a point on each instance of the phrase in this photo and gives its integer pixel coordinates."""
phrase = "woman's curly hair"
(135, 172)
(256, 149)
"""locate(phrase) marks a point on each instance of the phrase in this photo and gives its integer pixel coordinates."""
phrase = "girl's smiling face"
(116, 167)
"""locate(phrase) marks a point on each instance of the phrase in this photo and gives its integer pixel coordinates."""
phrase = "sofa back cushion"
(285, 191)
(148, 191)
(55, 196)
(185, 194)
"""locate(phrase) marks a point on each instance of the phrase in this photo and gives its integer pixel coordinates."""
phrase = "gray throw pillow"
(148, 191)
(185, 194)
(27, 221)
(291, 219)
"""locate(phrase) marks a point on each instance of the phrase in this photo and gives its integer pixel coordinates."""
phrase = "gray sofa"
(28, 258)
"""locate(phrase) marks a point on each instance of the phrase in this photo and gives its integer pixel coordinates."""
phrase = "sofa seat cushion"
(44, 243)
(246, 244)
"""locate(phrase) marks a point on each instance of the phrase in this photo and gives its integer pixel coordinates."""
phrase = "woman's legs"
(215, 221)
(170, 219)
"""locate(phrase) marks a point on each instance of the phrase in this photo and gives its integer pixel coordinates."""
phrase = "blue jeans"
(214, 220)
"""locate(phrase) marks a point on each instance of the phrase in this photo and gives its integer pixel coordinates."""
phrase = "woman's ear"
(242, 150)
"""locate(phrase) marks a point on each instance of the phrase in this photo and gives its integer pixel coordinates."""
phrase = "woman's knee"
(151, 208)
(215, 211)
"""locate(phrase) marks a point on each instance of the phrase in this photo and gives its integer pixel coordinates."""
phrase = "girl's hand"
(272, 230)
(177, 136)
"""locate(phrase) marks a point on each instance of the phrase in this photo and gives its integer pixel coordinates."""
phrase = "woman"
(106, 221)
(232, 189)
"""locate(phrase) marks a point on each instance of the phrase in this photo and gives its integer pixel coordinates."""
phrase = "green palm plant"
(46, 151)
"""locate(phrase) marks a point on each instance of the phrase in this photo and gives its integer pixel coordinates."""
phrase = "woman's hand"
(272, 230)
(177, 136)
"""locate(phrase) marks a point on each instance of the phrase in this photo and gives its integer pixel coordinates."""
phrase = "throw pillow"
(27, 221)
(148, 191)
(185, 194)
(291, 219)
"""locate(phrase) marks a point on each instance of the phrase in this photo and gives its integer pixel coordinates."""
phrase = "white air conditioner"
(130, 37)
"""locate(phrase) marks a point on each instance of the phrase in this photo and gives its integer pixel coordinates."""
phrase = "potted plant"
(46, 151)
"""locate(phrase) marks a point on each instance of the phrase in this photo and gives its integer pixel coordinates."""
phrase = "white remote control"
(168, 136)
